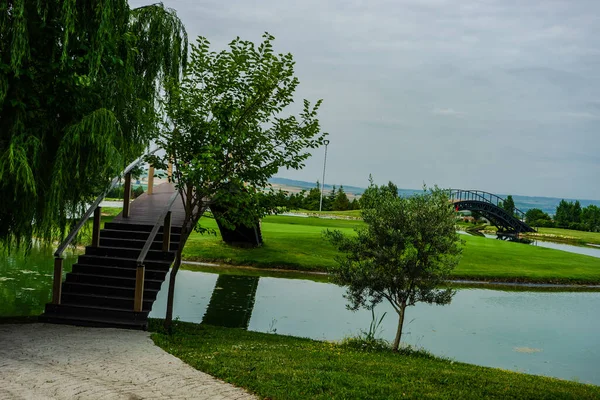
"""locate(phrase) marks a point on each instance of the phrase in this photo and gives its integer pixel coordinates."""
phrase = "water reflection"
(547, 333)
(232, 301)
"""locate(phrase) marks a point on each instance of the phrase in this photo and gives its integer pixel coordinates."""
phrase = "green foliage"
(508, 205)
(404, 255)
(79, 81)
(536, 217)
(341, 202)
(313, 198)
(226, 132)
(590, 216)
(369, 340)
(570, 215)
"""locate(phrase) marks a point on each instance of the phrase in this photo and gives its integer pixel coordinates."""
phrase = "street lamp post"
(323, 181)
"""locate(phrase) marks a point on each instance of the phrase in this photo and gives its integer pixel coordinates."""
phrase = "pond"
(538, 332)
(26, 282)
(544, 333)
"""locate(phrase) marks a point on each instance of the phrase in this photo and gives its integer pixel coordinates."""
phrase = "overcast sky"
(497, 95)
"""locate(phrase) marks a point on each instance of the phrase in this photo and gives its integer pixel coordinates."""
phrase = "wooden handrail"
(61, 248)
(165, 220)
(157, 225)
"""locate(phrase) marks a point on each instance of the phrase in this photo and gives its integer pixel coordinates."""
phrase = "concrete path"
(45, 361)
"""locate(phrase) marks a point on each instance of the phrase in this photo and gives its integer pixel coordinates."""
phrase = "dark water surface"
(554, 334)
(26, 281)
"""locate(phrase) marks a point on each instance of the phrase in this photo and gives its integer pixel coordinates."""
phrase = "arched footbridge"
(490, 206)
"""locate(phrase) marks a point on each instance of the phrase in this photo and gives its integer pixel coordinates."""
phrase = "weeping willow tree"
(80, 89)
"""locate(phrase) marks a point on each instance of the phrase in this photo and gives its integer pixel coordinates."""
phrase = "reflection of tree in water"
(232, 301)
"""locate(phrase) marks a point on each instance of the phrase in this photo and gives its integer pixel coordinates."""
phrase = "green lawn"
(297, 243)
(286, 367)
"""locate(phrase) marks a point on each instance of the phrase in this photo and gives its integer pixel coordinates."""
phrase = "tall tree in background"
(509, 205)
(79, 88)
(226, 133)
(341, 202)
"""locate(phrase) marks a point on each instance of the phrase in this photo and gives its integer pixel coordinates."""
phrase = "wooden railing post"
(139, 288)
(167, 232)
(126, 194)
(150, 180)
(57, 284)
(96, 227)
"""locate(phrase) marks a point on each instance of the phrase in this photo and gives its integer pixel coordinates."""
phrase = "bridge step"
(137, 227)
(86, 315)
(100, 289)
(105, 290)
(122, 262)
(135, 235)
(80, 271)
(111, 280)
(105, 300)
(124, 252)
(135, 244)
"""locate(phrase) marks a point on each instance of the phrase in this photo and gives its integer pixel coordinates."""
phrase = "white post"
(323, 181)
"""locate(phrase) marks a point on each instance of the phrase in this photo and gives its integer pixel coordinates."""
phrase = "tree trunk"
(400, 324)
(171, 295)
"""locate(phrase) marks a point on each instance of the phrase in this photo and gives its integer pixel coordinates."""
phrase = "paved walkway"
(45, 361)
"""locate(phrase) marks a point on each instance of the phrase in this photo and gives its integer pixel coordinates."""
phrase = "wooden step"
(135, 244)
(137, 235)
(122, 262)
(124, 252)
(111, 280)
(94, 300)
(137, 227)
(107, 290)
(113, 271)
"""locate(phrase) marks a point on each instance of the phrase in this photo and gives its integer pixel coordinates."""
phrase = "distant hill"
(524, 203)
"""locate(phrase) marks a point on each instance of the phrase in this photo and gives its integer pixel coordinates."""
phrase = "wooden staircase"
(101, 287)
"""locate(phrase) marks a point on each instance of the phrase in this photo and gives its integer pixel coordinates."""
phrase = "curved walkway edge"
(45, 361)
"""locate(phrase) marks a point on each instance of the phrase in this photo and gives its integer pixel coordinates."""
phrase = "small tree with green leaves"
(226, 134)
(404, 254)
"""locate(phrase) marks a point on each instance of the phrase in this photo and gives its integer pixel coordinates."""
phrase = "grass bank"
(286, 367)
(297, 243)
(566, 236)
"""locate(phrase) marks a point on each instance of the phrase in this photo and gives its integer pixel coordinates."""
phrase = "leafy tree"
(355, 205)
(534, 216)
(509, 205)
(341, 202)
(563, 214)
(576, 212)
(79, 81)
(590, 217)
(404, 254)
(329, 199)
(568, 214)
(226, 133)
(313, 197)
(374, 191)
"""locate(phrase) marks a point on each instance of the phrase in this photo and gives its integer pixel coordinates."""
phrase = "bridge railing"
(96, 210)
(480, 195)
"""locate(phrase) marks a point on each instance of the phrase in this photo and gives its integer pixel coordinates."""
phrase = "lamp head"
(326, 142)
